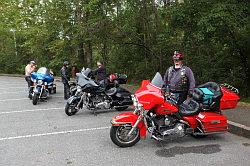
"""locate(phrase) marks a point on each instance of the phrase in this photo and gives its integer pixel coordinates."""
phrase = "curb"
(238, 129)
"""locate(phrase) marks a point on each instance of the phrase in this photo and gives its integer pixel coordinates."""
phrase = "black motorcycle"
(93, 96)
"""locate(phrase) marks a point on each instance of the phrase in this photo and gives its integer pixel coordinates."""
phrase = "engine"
(168, 125)
(163, 122)
(100, 102)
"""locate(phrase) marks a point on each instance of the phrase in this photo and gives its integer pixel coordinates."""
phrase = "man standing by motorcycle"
(179, 79)
(65, 79)
(101, 73)
(30, 68)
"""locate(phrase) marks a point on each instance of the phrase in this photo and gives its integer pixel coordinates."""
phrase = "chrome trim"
(202, 126)
(182, 121)
(113, 122)
(208, 133)
(135, 125)
(230, 87)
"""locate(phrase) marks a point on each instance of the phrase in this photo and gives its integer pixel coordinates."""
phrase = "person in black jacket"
(100, 72)
(65, 78)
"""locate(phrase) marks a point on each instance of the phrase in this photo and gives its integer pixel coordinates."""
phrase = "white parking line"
(14, 87)
(35, 110)
(16, 92)
(53, 133)
(14, 99)
(27, 98)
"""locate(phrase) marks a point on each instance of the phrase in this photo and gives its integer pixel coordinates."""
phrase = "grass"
(131, 87)
(245, 102)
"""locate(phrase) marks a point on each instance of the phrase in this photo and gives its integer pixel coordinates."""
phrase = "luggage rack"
(230, 87)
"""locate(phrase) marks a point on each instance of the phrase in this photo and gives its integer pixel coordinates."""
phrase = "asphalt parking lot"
(44, 135)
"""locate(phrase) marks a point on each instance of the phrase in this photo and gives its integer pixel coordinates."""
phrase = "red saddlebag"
(212, 122)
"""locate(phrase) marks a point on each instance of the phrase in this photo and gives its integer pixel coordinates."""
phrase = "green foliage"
(134, 37)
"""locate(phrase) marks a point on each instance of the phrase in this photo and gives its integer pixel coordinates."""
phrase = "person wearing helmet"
(30, 68)
(179, 79)
(65, 79)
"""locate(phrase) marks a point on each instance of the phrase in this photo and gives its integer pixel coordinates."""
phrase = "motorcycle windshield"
(82, 80)
(43, 70)
(86, 72)
(157, 80)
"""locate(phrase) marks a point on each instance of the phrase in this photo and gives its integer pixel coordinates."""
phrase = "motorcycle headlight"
(40, 82)
(45, 83)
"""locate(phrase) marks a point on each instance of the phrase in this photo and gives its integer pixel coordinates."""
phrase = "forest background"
(135, 37)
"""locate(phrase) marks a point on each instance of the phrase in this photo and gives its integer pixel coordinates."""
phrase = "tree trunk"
(79, 22)
(89, 55)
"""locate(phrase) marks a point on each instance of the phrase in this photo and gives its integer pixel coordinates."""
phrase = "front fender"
(72, 99)
(37, 89)
(129, 118)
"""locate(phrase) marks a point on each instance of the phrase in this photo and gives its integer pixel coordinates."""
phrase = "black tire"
(67, 94)
(121, 108)
(35, 99)
(70, 109)
(30, 96)
(54, 90)
(115, 135)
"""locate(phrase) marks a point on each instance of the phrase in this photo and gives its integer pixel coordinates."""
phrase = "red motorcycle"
(198, 116)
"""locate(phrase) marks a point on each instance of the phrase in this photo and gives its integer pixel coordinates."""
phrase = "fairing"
(82, 81)
(42, 74)
(150, 96)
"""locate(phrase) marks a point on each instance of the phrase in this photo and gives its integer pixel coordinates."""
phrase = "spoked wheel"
(119, 136)
(70, 109)
(121, 108)
(35, 99)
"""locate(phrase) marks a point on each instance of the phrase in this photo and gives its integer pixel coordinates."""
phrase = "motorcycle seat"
(189, 107)
(111, 91)
(215, 88)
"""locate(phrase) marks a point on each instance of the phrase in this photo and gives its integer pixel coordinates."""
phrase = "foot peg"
(156, 138)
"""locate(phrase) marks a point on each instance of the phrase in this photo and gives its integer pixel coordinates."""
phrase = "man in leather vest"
(65, 79)
(179, 79)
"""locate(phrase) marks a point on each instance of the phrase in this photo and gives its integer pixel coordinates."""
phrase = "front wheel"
(35, 99)
(119, 136)
(70, 109)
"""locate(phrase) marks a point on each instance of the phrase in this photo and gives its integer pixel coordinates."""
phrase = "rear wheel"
(70, 109)
(35, 99)
(121, 108)
(119, 136)
(54, 89)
